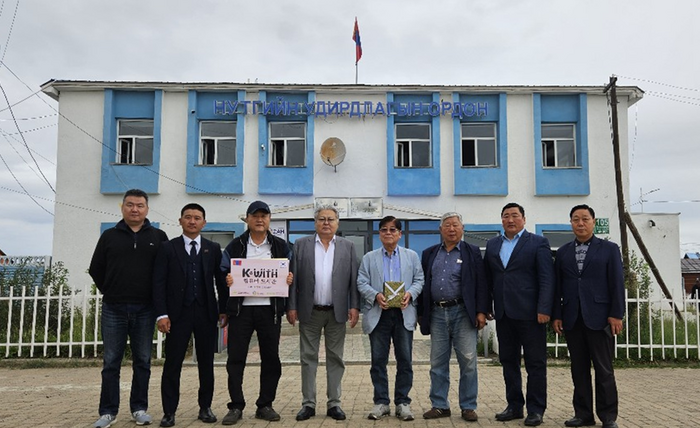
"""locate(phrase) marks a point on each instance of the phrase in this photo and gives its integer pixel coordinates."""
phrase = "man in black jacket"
(259, 314)
(122, 268)
(186, 304)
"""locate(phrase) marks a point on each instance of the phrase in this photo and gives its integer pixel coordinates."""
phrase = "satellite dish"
(333, 152)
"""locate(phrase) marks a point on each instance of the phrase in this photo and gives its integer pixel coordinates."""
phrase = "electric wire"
(12, 113)
(9, 33)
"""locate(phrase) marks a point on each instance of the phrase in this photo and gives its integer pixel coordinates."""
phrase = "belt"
(448, 303)
(323, 307)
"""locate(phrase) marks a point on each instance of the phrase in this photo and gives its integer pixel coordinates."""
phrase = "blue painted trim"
(117, 178)
(413, 181)
(281, 180)
(562, 109)
(213, 179)
(237, 228)
(540, 228)
(469, 227)
(475, 180)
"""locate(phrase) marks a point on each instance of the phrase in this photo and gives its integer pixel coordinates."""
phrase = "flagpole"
(356, 73)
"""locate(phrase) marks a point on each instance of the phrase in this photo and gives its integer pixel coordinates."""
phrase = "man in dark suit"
(521, 279)
(452, 309)
(590, 304)
(323, 296)
(187, 303)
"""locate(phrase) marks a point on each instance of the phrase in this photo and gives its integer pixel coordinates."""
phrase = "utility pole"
(625, 218)
(618, 178)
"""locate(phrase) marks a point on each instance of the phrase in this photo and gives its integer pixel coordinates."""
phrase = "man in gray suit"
(390, 315)
(323, 296)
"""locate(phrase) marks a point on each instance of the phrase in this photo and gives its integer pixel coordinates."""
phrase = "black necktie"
(193, 250)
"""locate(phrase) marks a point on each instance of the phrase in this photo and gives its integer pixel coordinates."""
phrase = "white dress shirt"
(323, 291)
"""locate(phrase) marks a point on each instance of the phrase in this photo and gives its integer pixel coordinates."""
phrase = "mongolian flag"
(358, 44)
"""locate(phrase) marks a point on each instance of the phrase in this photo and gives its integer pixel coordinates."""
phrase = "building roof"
(690, 266)
(54, 86)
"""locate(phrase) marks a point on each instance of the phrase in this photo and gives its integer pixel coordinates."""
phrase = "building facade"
(411, 151)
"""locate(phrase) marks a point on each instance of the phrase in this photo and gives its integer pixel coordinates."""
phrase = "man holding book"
(389, 280)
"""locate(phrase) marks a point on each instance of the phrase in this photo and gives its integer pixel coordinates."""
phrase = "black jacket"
(237, 249)
(122, 264)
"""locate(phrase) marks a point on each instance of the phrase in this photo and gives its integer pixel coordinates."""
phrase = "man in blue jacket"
(386, 322)
(521, 277)
(452, 309)
(590, 305)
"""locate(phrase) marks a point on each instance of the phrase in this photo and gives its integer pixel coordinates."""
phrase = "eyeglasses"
(391, 230)
(329, 220)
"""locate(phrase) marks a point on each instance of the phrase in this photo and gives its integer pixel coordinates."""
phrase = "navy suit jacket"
(525, 287)
(170, 278)
(599, 288)
(474, 289)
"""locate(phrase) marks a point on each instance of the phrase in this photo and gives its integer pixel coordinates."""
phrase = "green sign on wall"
(602, 226)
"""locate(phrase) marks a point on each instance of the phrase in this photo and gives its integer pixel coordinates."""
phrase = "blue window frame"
(286, 141)
(215, 142)
(561, 144)
(481, 145)
(413, 147)
(131, 141)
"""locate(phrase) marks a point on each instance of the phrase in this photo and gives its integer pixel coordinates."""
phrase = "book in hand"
(394, 292)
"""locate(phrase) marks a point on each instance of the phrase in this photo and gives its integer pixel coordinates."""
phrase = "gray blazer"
(370, 282)
(344, 278)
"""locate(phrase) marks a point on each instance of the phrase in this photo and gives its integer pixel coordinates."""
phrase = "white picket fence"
(67, 325)
(659, 333)
(71, 338)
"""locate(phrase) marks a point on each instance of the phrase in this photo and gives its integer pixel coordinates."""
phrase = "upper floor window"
(135, 142)
(558, 146)
(217, 143)
(479, 144)
(413, 146)
(287, 144)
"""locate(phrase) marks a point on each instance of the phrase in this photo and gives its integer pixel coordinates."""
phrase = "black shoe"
(267, 413)
(232, 417)
(609, 424)
(533, 420)
(206, 415)
(578, 422)
(336, 413)
(305, 413)
(509, 414)
(168, 420)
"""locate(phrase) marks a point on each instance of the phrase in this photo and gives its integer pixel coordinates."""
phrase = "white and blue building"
(412, 151)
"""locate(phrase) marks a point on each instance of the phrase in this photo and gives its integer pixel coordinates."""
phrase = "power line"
(658, 83)
(9, 33)
(12, 113)
(20, 185)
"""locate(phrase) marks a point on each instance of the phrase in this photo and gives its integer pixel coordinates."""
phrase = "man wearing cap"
(254, 314)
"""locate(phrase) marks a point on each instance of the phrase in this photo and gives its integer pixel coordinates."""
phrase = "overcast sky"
(647, 43)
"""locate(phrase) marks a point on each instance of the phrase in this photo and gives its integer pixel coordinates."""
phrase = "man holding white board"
(259, 313)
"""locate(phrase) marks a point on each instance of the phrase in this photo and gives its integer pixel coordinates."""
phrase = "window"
(413, 145)
(480, 238)
(479, 144)
(222, 238)
(135, 142)
(287, 144)
(557, 238)
(558, 146)
(217, 143)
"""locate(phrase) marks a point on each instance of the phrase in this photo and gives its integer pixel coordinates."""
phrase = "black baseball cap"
(257, 206)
